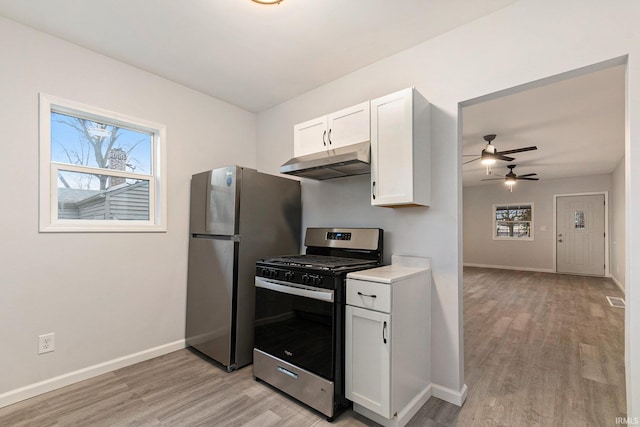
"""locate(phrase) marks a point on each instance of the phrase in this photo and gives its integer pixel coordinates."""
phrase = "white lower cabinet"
(368, 361)
(387, 337)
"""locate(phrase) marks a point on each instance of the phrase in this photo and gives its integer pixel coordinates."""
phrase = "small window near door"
(579, 220)
(513, 222)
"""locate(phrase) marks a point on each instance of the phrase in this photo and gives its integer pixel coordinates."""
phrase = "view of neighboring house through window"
(513, 221)
(100, 171)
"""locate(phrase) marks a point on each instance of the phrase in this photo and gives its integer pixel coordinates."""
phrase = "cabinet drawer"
(370, 295)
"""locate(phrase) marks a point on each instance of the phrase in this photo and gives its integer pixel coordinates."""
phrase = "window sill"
(103, 228)
(515, 239)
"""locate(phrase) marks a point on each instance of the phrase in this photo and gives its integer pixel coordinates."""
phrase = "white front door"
(580, 234)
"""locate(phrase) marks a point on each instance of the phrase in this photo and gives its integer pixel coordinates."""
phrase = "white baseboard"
(509, 267)
(403, 416)
(449, 395)
(32, 390)
(618, 283)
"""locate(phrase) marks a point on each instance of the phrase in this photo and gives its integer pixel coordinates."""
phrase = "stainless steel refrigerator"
(237, 216)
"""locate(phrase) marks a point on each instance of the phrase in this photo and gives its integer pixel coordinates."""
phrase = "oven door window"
(296, 329)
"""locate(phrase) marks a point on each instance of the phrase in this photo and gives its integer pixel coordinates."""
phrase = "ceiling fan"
(489, 155)
(511, 177)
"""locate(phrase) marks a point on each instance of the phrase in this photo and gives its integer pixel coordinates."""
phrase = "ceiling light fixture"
(267, 1)
(510, 182)
(488, 156)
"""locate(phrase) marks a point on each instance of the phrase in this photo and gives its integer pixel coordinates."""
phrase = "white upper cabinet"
(345, 127)
(400, 150)
(310, 137)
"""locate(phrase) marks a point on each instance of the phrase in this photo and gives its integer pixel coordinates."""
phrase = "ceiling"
(577, 125)
(250, 55)
(257, 56)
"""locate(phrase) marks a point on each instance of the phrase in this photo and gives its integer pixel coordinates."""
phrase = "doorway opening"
(522, 315)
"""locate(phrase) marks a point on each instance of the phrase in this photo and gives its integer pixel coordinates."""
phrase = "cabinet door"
(310, 137)
(392, 149)
(349, 126)
(368, 363)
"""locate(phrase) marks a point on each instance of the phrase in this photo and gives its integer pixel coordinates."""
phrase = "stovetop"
(312, 270)
(331, 253)
(321, 262)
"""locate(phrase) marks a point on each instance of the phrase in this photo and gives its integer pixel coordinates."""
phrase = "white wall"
(105, 296)
(479, 247)
(139, 304)
(617, 224)
(530, 40)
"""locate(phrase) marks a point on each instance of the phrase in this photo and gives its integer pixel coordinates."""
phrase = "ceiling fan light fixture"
(267, 2)
(491, 149)
(510, 182)
(487, 158)
(488, 161)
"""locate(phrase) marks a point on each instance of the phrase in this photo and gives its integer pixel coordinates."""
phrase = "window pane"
(79, 141)
(579, 220)
(513, 213)
(513, 221)
(101, 197)
(513, 229)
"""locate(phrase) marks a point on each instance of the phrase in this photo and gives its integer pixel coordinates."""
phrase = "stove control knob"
(318, 280)
(288, 275)
(274, 274)
(264, 272)
(305, 278)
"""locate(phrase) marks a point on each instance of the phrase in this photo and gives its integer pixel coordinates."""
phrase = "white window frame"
(49, 221)
(515, 205)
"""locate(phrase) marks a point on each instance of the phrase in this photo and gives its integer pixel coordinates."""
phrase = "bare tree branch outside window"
(84, 142)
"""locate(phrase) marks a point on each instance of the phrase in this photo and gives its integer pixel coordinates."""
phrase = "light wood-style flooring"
(540, 349)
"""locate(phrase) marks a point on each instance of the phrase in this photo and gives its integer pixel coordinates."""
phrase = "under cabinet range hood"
(336, 163)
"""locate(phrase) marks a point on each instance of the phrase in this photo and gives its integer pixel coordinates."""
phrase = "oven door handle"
(307, 292)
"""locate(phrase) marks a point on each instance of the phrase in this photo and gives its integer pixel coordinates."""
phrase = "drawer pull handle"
(366, 295)
(288, 372)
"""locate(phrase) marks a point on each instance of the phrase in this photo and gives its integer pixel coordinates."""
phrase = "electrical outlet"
(46, 343)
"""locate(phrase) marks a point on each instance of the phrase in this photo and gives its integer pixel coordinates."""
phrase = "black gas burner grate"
(316, 261)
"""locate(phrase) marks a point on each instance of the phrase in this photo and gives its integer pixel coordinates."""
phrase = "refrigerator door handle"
(234, 238)
(286, 288)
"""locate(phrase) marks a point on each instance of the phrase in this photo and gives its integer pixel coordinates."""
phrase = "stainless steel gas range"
(300, 314)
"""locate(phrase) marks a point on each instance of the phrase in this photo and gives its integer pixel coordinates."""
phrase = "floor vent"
(616, 301)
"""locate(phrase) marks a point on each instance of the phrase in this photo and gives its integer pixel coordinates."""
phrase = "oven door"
(296, 323)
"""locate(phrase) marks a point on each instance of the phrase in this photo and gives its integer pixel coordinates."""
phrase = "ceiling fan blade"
(492, 179)
(472, 160)
(505, 158)
(469, 155)
(528, 179)
(518, 150)
(526, 175)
